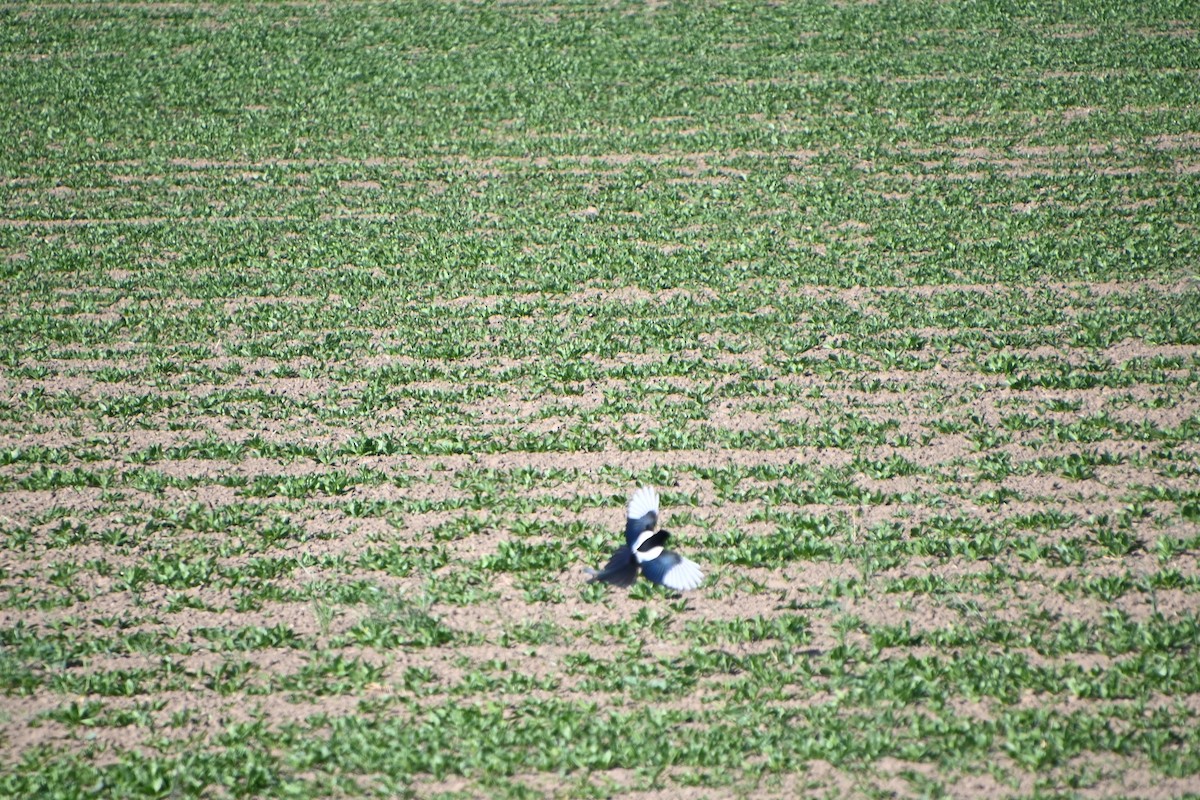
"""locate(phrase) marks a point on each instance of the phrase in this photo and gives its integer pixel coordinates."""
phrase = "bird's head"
(649, 545)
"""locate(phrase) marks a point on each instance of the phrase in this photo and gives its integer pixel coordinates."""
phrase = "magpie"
(646, 548)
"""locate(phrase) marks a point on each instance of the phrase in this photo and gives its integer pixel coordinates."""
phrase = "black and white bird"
(645, 548)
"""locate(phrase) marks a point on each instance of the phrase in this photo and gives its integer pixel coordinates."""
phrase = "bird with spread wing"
(645, 550)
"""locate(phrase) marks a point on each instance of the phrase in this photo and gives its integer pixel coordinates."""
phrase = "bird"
(645, 549)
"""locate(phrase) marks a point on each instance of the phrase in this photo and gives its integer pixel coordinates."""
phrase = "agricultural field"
(335, 335)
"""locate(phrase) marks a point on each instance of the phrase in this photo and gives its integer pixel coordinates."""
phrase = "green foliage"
(335, 336)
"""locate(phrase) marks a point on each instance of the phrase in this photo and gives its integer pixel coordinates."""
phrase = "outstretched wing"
(621, 569)
(673, 571)
(641, 514)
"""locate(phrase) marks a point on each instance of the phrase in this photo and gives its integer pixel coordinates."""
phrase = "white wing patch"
(678, 574)
(642, 502)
